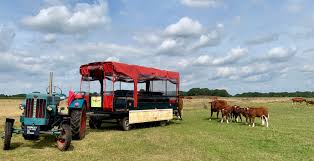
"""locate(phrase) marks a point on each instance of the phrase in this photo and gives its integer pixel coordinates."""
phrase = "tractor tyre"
(125, 124)
(65, 138)
(7, 135)
(94, 123)
(78, 123)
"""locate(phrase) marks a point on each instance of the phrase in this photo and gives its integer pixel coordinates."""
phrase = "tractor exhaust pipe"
(50, 83)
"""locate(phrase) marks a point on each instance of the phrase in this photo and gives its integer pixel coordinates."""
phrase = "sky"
(240, 46)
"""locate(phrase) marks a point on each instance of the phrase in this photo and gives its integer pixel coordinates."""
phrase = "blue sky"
(241, 46)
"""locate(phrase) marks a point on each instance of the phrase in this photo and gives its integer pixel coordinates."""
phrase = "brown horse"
(298, 100)
(217, 106)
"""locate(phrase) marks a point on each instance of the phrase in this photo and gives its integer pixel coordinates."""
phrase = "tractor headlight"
(49, 108)
(21, 107)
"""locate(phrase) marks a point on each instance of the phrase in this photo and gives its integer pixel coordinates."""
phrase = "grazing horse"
(261, 112)
(217, 106)
(226, 113)
(245, 113)
(236, 113)
(298, 100)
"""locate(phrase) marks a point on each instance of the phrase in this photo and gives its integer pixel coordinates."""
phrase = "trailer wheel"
(125, 124)
(163, 123)
(7, 135)
(78, 123)
(64, 139)
(94, 124)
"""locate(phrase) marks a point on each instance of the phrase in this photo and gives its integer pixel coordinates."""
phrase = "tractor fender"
(77, 104)
(10, 120)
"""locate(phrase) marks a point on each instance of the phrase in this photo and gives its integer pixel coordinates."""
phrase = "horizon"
(257, 45)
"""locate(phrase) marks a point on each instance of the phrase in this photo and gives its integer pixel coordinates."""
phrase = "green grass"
(289, 137)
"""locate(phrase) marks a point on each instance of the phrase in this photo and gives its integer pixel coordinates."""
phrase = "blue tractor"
(44, 114)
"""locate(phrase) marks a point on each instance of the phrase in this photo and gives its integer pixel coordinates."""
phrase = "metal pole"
(50, 83)
(166, 88)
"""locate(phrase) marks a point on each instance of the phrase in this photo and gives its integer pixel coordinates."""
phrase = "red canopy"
(125, 72)
(128, 73)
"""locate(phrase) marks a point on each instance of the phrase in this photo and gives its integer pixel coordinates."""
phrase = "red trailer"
(156, 101)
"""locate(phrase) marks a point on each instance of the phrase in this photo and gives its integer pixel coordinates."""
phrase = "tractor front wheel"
(78, 123)
(64, 139)
(7, 135)
(125, 124)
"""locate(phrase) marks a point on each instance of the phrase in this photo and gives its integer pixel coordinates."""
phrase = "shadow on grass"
(15, 145)
(241, 123)
(46, 141)
(115, 127)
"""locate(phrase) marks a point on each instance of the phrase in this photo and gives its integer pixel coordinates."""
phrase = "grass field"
(289, 137)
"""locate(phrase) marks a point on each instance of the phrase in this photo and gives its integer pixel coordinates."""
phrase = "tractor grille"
(40, 108)
(29, 107)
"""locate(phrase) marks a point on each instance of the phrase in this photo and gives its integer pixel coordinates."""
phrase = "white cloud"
(6, 38)
(226, 72)
(61, 19)
(258, 78)
(99, 50)
(309, 50)
(150, 39)
(113, 59)
(185, 27)
(26, 63)
(180, 38)
(168, 44)
(203, 60)
(308, 68)
(263, 39)
(249, 73)
(200, 3)
(233, 56)
(295, 7)
(279, 54)
(213, 38)
(183, 63)
(50, 38)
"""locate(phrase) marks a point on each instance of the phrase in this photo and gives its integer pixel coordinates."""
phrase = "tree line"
(216, 92)
(3, 96)
(224, 93)
(306, 94)
(205, 92)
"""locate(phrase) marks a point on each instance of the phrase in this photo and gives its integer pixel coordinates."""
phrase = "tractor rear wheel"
(78, 123)
(7, 135)
(125, 124)
(64, 139)
(94, 123)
